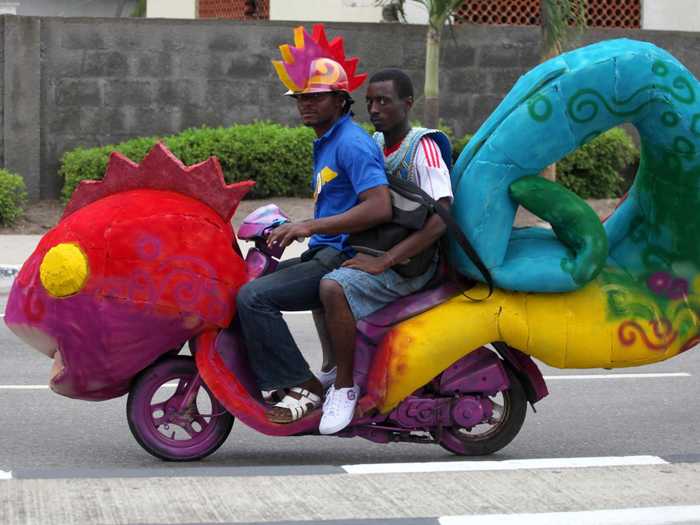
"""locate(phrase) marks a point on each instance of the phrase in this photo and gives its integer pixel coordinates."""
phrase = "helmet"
(314, 65)
(325, 75)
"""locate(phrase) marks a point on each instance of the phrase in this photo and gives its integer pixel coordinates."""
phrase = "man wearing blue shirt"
(351, 195)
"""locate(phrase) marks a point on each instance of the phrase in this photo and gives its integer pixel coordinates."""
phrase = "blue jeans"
(274, 356)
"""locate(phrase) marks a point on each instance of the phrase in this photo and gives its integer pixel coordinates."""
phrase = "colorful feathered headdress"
(313, 65)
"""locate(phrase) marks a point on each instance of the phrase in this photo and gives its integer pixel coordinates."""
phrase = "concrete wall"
(676, 15)
(69, 82)
(171, 9)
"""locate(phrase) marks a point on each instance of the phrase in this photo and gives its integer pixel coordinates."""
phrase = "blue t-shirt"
(346, 163)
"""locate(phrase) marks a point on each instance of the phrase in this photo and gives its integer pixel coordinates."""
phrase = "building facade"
(676, 15)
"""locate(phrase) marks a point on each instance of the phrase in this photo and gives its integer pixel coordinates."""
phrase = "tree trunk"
(120, 8)
(431, 90)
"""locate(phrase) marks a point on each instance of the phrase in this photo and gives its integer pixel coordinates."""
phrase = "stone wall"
(69, 82)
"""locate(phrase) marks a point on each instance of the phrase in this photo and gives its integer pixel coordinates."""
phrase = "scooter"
(182, 408)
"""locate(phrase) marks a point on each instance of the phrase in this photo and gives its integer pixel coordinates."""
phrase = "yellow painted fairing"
(566, 330)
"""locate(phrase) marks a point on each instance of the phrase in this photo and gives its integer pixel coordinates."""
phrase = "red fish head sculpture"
(139, 263)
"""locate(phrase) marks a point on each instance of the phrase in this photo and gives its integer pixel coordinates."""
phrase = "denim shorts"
(366, 293)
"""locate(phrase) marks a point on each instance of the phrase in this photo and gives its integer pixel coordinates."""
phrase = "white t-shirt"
(432, 175)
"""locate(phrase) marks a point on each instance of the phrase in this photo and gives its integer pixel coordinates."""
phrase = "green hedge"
(13, 196)
(278, 158)
(595, 169)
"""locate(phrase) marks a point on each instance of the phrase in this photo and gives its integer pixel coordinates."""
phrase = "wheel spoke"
(191, 431)
(157, 421)
(497, 411)
(181, 386)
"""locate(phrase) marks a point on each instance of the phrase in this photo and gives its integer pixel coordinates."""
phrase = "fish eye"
(64, 270)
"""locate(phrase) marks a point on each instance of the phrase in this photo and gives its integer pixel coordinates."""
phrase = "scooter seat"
(411, 305)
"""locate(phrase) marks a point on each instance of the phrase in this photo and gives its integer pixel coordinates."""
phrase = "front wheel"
(509, 409)
(162, 426)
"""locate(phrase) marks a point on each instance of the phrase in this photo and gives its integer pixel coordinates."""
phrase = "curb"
(8, 272)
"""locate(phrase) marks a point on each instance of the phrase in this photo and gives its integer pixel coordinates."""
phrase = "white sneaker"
(338, 409)
(327, 378)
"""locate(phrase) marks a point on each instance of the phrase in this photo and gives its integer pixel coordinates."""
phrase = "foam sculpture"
(581, 295)
(139, 263)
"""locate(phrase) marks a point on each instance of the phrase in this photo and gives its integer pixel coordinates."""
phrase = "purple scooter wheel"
(509, 410)
(162, 425)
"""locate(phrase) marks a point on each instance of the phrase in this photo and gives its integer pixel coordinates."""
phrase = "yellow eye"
(64, 270)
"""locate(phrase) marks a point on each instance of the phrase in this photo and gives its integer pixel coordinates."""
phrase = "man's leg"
(348, 294)
(340, 326)
(320, 322)
(273, 353)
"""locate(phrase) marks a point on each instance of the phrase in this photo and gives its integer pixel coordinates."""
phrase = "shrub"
(276, 157)
(13, 196)
(594, 170)
(458, 145)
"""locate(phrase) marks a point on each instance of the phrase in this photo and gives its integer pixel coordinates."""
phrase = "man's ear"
(409, 102)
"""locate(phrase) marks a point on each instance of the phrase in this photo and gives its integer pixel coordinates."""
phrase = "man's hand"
(284, 235)
(369, 264)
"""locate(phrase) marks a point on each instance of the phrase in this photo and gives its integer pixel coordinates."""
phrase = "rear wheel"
(161, 426)
(509, 409)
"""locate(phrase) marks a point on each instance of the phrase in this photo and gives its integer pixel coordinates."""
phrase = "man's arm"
(374, 208)
(412, 245)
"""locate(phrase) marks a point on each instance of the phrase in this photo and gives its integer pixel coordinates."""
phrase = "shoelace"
(333, 401)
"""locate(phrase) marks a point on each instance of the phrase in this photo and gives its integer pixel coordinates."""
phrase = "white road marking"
(619, 376)
(638, 516)
(509, 464)
(5, 475)
(45, 387)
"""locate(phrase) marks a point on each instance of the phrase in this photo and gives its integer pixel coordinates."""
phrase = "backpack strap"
(413, 192)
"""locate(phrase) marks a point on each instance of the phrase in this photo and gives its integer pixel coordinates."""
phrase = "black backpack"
(411, 208)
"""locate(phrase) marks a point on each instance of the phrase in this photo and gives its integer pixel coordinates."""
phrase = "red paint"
(662, 329)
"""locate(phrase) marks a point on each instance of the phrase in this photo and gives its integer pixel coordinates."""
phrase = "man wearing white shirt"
(364, 284)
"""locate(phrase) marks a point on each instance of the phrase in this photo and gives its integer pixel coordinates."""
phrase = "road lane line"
(638, 516)
(619, 376)
(509, 464)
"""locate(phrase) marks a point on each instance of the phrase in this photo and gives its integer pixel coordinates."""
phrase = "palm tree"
(560, 21)
(439, 13)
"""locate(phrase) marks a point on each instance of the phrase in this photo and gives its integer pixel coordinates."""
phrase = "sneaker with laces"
(327, 378)
(338, 409)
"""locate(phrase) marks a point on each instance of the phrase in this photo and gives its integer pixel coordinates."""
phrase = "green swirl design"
(681, 84)
(576, 107)
(683, 146)
(670, 119)
(659, 69)
(694, 125)
(532, 107)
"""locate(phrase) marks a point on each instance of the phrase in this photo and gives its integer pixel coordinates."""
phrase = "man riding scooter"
(366, 283)
(351, 195)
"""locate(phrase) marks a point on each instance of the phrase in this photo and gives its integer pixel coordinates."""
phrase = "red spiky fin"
(319, 35)
(161, 170)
